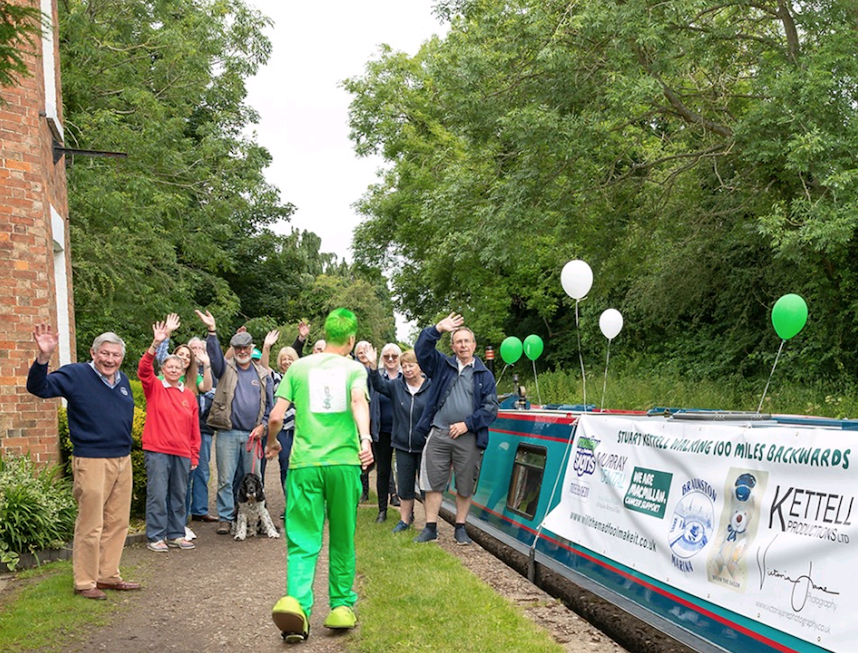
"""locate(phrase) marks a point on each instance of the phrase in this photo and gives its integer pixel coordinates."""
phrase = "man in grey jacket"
(239, 412)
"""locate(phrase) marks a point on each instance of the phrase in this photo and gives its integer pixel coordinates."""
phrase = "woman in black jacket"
(408, 395)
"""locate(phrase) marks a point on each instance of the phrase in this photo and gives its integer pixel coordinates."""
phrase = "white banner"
(753, 517)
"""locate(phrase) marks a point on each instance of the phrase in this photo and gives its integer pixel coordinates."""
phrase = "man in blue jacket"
(462, 403)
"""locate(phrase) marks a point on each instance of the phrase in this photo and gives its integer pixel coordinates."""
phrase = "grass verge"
(417, 597)
(44, 614)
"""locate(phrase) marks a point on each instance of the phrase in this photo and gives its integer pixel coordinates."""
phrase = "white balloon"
(576, 279)
(611, 323)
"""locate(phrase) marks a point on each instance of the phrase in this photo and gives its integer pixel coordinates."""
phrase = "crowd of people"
(326, 418)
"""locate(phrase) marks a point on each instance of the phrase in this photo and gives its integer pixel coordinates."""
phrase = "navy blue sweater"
(100, 417)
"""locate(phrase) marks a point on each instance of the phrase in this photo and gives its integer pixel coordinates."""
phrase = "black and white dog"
(251, 510)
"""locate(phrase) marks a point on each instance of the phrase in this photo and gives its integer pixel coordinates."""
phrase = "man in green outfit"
(332, 443)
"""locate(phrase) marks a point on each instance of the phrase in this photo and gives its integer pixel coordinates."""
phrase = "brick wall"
(33, 215)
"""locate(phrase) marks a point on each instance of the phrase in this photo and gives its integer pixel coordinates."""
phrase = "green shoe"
(289, 617)
(341, 618)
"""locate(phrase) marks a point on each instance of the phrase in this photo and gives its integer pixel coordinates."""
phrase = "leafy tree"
(164, 82)
(699, 156)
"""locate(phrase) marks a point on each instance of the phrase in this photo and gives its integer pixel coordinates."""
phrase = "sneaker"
(189, 534)
(341, 618)
(181, 543)
(401, 526)
(290, 618)
(426, 535)
(461, 536)
(158, 546)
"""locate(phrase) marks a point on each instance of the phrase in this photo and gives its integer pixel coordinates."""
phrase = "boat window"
(526, 480)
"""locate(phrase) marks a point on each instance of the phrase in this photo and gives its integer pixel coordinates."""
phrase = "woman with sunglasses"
(408, 396)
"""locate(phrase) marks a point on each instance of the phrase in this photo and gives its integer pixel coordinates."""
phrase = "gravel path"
(218, 597)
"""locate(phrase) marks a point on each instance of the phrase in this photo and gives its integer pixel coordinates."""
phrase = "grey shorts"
(443, 452)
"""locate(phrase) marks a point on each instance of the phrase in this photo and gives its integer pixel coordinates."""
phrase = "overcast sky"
(304, 112)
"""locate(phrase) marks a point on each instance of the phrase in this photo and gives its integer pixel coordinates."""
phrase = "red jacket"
(172, 419)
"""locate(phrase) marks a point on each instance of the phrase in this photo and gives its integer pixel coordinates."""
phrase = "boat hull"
(639, 563)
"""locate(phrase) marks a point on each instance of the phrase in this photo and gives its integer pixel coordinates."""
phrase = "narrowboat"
(724, 531)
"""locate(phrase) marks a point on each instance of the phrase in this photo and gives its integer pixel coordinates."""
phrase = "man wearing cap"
(239, 412)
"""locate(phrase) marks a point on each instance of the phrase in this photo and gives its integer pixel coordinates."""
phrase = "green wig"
(340, 326)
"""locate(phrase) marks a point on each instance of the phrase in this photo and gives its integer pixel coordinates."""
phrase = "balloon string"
(536, 380)
(760, 407)
(605, 384)
(501, 374)
(581, 357)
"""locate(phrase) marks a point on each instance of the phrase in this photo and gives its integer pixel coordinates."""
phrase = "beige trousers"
(102, 489)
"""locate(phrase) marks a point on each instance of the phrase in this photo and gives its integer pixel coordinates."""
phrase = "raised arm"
(427, 356)
(270, 340)
(301, 340)
(212, 344)
(203, 359)
(38, 382)
(145, 369)
(163, 350)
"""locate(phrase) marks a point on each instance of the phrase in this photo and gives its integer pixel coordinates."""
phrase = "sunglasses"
(390, 357)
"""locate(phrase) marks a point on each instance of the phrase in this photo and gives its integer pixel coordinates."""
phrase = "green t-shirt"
(320, 386)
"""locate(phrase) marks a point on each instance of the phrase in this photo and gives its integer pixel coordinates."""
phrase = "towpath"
(218, 597)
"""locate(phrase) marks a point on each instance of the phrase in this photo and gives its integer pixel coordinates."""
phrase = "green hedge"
(37, 510)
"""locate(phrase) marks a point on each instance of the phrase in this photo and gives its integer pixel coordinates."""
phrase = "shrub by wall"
(37, 510)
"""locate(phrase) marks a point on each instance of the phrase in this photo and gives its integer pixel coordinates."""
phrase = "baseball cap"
(256, 354)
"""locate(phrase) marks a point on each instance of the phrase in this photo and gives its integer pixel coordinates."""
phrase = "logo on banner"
(648, 492)
(612, 468)
(580, 489)
(693, 523)
(811, 513)
(727, 563)
(804, 587)
(585, 456)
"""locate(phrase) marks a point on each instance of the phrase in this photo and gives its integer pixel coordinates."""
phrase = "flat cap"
(243, 339)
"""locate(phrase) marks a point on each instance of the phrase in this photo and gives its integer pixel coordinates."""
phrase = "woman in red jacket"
(171, 446)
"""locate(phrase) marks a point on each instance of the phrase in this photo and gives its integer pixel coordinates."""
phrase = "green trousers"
(314, 493)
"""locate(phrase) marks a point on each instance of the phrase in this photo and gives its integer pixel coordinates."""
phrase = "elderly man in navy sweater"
(100, 414)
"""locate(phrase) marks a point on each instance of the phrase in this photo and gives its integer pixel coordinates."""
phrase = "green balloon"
(789, 316)
(533, 346)
(511, 350)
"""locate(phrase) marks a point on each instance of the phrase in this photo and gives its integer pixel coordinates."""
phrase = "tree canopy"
(187, 220)
(699, 155)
